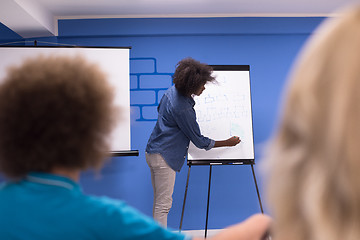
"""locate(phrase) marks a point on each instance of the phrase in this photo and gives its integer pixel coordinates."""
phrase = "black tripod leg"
(183, 207)
(208, 200)
(257, 189)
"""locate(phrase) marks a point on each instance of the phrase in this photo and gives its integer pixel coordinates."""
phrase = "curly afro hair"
(190, 75)
(54, 112)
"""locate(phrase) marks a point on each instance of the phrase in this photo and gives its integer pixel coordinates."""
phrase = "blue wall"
(268, 45)
(7, 36)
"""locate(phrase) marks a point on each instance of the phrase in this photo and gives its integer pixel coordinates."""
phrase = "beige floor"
(201, 233)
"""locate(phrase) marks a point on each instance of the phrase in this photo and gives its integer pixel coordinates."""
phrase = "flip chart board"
(224, 110)
(114, 62)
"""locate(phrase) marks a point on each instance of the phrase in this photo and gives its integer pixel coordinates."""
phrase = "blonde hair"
(314, 184)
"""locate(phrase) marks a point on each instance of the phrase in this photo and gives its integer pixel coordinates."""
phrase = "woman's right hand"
(228, 142)
(235, 140)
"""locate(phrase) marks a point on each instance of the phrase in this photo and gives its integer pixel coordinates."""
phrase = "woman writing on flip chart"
(176, 126)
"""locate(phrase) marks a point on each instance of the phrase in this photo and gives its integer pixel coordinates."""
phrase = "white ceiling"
(36, 18)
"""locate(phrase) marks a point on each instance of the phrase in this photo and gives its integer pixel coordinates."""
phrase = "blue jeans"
(163, 181)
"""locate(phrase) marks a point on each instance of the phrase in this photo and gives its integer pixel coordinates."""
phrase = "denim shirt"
(175, 128)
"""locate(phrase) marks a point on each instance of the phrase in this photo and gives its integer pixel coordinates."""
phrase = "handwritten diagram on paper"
(224, 110)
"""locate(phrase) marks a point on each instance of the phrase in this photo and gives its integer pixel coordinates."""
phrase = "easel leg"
(183, 207)
(208, 200)
(257, 189)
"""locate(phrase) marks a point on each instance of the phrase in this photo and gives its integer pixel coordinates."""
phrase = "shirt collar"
(191, 101)
(52, 180)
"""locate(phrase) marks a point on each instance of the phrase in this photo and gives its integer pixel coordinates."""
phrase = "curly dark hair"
(190, 75)
(54, 112)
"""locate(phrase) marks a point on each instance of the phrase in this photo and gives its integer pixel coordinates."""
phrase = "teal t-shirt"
(46, 206)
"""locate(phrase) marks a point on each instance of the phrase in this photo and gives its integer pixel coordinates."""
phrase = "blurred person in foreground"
(56, 114)
(314, 157)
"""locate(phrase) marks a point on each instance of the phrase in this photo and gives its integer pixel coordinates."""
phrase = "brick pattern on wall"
(147, 86)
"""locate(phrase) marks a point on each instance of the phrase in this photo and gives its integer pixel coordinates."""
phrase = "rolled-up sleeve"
(212, 144)
(186, 120)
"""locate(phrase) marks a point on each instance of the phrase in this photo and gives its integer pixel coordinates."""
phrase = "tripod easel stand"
(190, 163)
